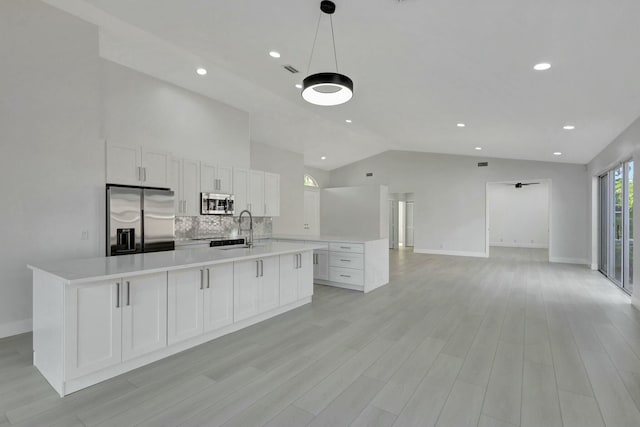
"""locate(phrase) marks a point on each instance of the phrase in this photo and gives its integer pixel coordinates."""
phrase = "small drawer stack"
(346, 263)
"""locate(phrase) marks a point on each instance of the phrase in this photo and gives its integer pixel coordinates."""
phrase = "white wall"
(624, 147)
(59, 102)
(519, 217)
(52, 161)
(290, 166)
(361, 211)
(142, 110)
(450, 198)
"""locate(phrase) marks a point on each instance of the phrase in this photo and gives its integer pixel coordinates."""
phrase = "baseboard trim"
(15, 328)
(561, 260)
(519, 245)
(451, 253)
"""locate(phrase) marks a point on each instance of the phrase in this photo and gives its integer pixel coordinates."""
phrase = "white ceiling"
(419, 67)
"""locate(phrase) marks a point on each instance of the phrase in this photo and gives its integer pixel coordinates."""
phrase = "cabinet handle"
(300, 260)
(117, 294)
(261, 268)
(345, 260)
(345, 247)
(344, 275)
(144, 174)
(185, 207)
(139, 173)
(129, 293)
(208, 278)
(257, 269)
(201, 279)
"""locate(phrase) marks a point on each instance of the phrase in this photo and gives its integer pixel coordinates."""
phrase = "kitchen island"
(96, 318)
(352, 262)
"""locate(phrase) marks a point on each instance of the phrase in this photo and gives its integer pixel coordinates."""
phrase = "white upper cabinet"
(138, 166)
(155, 168)
(225, 179)
(257, 191)
(185, 182)
(208, 178)
(216, 178)
(272, 194)
(241, 189)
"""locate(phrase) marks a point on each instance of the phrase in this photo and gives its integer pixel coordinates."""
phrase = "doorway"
(518, 220)
(401, 230)
(311, 212)
(615, 248)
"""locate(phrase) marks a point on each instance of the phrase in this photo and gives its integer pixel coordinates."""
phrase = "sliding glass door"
(616, 225)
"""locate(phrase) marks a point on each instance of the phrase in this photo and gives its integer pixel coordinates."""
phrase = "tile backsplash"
(216, 226)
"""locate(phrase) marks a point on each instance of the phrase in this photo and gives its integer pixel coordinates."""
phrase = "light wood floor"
(450, 342)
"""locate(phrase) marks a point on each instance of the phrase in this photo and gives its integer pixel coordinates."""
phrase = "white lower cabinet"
(114, 320)
(321, 265)
(256, 287)
(200, 300)
(218, 297)
(93, 327)
(144, 315)
(108, 327)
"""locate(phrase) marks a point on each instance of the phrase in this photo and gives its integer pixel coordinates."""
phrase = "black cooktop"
(226, 242)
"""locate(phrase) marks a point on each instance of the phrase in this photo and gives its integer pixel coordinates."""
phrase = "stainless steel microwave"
(216, 204)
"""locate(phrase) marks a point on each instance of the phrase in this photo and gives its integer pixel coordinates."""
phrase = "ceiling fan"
(520, 184)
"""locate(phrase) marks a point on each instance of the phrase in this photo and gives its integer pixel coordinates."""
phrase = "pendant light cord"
(333, 37)
(314, 43)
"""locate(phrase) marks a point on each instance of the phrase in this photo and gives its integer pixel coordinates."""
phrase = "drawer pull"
(345, 260)
(345, 247)
(344, 275)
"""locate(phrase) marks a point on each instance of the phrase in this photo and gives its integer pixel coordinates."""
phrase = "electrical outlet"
(85, 235)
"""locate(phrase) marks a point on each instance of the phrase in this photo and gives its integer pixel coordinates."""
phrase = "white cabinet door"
(155, 168)
(321, 265)
(144, 315)
(288, 278)
(191, 187)
(272, 194)
(269, 293)
(225, 179)
(175, 182)
(241, 189)
(305, 275)
(185, 303)
(245, 289)
(311, 213)
(218, 297)
(123, 165)
(208, 178)
(93, 321)
(256, 193)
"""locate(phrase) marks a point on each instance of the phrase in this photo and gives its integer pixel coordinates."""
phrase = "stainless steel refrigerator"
(139, 220)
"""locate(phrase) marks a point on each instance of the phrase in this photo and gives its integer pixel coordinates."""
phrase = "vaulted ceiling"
(419, 68)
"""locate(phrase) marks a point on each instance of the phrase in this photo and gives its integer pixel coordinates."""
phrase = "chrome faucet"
(249, 242)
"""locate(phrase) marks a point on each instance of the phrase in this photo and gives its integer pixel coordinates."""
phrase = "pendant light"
(327, 88)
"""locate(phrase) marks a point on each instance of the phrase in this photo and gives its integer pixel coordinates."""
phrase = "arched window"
(310, 181)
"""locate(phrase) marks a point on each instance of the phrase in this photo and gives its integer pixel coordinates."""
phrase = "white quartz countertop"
(105, 268)
(326, 238)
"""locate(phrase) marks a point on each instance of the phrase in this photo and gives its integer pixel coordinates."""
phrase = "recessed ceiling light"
(299, 86)
(568, 127)
(201, 71)
(349, 121)
(557, 153)
(543, 66)
(323, 158)
(461, 125)
(274, 54)
(479, 148)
